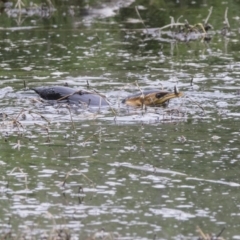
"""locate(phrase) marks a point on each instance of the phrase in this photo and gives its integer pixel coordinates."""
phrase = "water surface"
(154, 173)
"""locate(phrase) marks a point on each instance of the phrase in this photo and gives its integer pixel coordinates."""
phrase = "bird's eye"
(160, 95)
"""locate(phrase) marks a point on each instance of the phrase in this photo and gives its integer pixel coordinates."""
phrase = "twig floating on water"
(208, 16)
(191, 82)
(136, 9)
(226, 18)
(197, 105)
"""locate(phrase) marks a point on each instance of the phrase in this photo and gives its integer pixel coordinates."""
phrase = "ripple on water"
(172, 213)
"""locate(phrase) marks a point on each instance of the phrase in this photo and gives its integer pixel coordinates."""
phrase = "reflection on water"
(119, 173)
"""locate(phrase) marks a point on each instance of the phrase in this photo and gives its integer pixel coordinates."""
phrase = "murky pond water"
(118, 172)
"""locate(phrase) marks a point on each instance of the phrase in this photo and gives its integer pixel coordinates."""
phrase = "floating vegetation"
(184, 31)
(28, 9)
(56, 230)
(103, 235)
(78, 171)
(63, 233)
(56, 233)
(204, 236)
